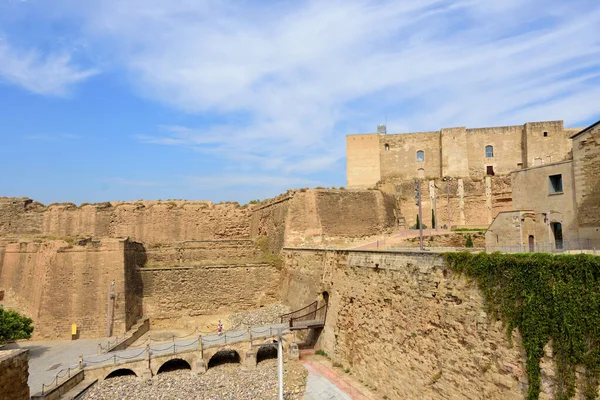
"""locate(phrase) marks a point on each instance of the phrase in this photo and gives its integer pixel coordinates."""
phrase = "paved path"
(320, 388)
(398, 238)
(48, 357)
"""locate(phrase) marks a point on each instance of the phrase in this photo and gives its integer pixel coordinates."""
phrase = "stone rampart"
(408, 326)
(145, 221)
(14, 371)
(182, 295)
(472, 201)
(58, 284)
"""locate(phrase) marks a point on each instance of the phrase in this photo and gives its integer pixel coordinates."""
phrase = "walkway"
(398, 238)
(47, 357)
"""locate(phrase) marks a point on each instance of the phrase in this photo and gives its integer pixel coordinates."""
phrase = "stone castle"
(453, 152)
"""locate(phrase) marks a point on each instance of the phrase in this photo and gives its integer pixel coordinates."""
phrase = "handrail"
(303, 308)
(311, 313)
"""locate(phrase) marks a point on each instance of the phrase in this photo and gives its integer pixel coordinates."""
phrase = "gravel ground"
(263, 316)
(229, 381)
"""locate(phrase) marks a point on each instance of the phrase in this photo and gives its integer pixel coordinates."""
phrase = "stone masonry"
(14, 372)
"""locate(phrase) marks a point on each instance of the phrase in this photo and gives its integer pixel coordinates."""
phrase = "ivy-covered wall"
(549, 299)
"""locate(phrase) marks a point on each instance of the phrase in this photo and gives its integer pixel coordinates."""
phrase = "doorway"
(531, 244)
(558, 236)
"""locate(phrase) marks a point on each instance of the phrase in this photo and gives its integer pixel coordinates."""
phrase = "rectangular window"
(555, 183)
(489, 170)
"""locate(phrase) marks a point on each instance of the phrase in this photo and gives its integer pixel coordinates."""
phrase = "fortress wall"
(321, 214)
(408, 326)
(586, 163)
(470, 208)
(362, 161)
(206, 252)
(182, 294)
(20, 216)
(57, 285)
(506, 141)
(401, 159)
(453, 147)
(148, 221)
(547, 149)
(269, 219)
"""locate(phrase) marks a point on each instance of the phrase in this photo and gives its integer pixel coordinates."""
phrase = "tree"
(14, 326)
(418, 222)
(432, 219)
(469, 241)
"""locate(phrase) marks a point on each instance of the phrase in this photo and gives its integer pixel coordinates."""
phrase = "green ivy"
(546, 297)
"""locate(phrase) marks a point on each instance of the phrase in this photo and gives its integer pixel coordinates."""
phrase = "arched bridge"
(196, 353)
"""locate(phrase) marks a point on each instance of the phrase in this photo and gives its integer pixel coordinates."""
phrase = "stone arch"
(174, 364)
(224, 356)
(267, 352)
(121, 372)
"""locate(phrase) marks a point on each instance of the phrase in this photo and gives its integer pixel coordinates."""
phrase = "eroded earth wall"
(58, 284)
(146, 221)
(409, 327)
(180, 295)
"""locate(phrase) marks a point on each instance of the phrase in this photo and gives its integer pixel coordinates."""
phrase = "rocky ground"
(229, 381)
(262, 316)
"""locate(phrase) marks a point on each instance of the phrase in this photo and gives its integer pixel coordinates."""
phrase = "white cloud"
(249, 180)
(303, 74)
(53, 74)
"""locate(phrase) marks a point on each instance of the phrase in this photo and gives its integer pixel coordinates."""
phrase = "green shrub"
(469, 242)
(14, 326)
(256, 201)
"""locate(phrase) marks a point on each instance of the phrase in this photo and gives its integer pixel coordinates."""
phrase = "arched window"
(387, 147)
(420, 156)
(489, 151)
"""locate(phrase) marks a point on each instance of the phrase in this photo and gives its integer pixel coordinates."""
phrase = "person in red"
(220, 328)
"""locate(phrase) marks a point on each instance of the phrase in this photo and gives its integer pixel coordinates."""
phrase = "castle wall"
(149, 221)
(317, 215)
(456, 152)
(202, 252)
(269, 220)
(362, 161)
(400, 161)
(554, 147)
(408, 326)
(586, 165)
(471, 203)
(506, 143)
(182, 294)
(14, 372)
(57, 285)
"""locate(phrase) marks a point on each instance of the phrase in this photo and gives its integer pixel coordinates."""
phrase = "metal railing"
(316, 317)
(312, 307)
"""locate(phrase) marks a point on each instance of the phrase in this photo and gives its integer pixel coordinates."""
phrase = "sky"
(221, 100)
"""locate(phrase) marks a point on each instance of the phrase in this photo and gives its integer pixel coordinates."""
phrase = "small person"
(220, 328)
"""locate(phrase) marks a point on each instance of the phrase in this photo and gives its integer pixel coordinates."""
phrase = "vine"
(547, 297)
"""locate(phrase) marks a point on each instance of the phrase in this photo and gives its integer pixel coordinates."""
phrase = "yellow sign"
(74, 329)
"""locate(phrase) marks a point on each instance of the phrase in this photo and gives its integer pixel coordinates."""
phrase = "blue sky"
(236, 100)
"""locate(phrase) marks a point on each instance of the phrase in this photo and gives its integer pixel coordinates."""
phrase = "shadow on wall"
(135, 258)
